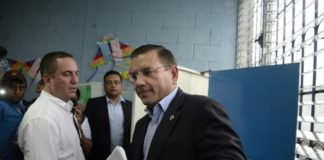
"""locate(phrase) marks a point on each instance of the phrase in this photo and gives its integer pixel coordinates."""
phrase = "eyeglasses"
(146, 72)
(112, 82)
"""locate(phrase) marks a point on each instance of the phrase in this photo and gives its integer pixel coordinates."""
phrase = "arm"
(86, 137)
(215, 136)
(38, 140)
(86, 142)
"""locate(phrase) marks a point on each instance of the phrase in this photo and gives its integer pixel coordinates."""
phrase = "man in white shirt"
(47, 130)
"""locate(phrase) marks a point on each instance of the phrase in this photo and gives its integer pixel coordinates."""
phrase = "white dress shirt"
(116, 120)
(86, 128)
(47, 131)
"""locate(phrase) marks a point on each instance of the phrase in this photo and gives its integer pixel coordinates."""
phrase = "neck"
(114, 100)
(14, 102)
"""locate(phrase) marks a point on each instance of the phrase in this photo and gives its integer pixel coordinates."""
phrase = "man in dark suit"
(109, 118)
(177, 125)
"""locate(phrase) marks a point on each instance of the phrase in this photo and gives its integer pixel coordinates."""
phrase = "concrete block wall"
(201, 33)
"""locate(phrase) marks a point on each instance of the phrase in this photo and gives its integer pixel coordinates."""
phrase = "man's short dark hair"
(111, 72)
(164, 54)
(49, 64)
(13, 76)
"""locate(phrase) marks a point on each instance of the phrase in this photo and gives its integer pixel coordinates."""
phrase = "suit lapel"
(139, 136)
(127, 111)
(105, 115)
(168, 122)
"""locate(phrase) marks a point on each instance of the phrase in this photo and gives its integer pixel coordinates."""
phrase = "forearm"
(86, 144)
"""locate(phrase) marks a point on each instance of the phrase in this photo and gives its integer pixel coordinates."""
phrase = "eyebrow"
(141, 69)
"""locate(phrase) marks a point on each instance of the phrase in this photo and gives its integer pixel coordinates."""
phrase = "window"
(294, 32)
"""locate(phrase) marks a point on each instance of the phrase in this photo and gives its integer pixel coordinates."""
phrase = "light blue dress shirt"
(116, 121)
(156, 115)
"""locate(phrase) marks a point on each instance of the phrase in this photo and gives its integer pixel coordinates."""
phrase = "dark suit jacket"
(97, 114)
(193, 128)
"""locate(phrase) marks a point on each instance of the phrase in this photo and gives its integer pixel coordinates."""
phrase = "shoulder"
(128, 102)
(4, 107)
(3, 104)
(94, 103)
(97, 99)
(201, 103)
(197, 99)
(37, 122)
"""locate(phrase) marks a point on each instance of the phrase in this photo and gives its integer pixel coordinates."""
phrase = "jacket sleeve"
(215, 136)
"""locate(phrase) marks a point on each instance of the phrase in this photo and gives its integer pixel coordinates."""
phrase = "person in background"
(46, 131)
(12, 110)
(76, 102)
(38, 90)
(83, 122)
(177, 125)
(109, 118)
(40, 86)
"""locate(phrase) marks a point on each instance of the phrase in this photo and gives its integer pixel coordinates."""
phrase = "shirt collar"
(67, 106)
(121, 99)
(164, 103)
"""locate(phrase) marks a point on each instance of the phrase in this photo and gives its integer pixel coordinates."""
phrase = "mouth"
(73, 89)
(112, 90)
(16, 98)
(143, 93)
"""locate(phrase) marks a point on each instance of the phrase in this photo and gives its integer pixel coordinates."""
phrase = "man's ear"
(174, 72)
(46, 78)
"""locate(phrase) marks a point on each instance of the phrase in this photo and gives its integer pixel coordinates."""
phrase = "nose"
(18, 90)
(75, 78)
(140, 80)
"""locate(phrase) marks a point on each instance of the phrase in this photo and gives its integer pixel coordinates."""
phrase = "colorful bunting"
(115, 48)
(105, 50)
(126, 49)
(98, 60)
(111, 51)
(20, 66)
(125, 74)
(34, 69)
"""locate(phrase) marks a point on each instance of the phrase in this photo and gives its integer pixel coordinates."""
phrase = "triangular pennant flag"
(126, 49)
(19, 66)
(115, 48)
(30, 63)
(98, 60)
(34, 69)
(123, 45)
(105, 50)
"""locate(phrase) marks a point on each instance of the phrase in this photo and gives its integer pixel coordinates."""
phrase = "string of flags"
(28, 68)
(111, 52)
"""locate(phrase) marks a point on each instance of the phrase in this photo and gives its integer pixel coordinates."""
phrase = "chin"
(14, 101)
(147, 103)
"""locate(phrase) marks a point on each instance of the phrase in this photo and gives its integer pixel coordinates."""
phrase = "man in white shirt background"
(47, 130)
